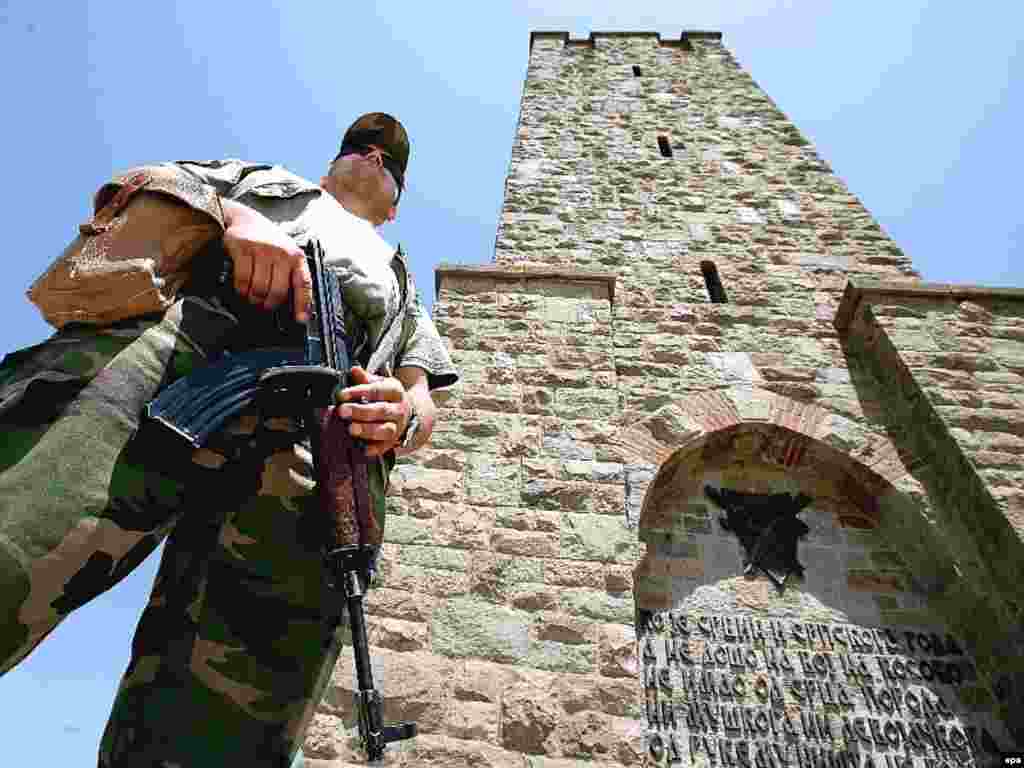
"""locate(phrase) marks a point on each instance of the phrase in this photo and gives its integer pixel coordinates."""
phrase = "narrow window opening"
(636, 71)
(664, 146)
(716, 291)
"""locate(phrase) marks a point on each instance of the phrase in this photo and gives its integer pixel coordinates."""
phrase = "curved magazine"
(195, 406)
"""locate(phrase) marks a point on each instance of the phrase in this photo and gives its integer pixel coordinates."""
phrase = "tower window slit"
(664, 146)
(636, 71)
(716, 291)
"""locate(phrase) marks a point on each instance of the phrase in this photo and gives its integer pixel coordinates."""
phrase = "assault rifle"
(302, 381)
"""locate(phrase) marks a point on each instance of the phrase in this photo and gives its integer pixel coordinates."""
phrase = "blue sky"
(913, 103)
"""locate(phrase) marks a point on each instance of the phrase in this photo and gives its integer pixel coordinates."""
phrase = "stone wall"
(603, 391)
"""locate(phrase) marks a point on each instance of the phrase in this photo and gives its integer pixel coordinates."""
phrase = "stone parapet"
(683, 41)
(878, 290)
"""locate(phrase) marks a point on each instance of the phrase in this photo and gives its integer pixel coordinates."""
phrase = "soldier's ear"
(392, 212)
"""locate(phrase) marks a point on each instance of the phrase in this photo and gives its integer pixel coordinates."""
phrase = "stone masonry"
(558, 587)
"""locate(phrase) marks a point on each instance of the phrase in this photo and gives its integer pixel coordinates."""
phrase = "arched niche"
(689, 548)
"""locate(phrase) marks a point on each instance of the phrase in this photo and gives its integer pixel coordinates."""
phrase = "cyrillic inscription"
(738, 691)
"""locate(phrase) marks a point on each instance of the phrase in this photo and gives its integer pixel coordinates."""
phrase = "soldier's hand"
(267, 263)
(378, 409)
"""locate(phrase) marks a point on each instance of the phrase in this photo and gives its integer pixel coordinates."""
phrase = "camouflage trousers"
(81, 505)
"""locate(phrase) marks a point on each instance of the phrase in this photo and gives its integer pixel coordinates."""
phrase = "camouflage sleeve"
(422, 347)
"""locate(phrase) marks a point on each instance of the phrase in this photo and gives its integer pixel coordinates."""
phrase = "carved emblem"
(768, 528)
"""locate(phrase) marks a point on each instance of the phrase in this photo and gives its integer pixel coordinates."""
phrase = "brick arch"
(677, 429)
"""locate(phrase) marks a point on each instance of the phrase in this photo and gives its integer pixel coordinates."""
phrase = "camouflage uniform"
(82, 503)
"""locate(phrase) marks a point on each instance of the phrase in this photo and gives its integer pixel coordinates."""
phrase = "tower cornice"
(524, 272)
(682, 42)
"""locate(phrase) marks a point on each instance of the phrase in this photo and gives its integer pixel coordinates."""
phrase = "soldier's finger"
(360, 376)
(388, 390)
(379, 411)
(242, 261)
(265, 299)
(302, 290)
(374, 432)
(259, 283)
(279, 285)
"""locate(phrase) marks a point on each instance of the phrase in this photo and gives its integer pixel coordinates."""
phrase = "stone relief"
(768, 529)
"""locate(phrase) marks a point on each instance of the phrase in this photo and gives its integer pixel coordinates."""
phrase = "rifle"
(302, 381)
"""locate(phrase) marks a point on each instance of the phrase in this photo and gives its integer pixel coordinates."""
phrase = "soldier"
(82, 501)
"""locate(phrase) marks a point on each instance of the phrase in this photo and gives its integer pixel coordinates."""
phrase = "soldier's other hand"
(267, 263)
(378, 409)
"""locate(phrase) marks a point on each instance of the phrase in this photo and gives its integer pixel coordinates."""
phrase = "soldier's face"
(362, 174)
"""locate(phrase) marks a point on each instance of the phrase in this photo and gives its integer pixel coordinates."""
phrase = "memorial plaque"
(740, 690)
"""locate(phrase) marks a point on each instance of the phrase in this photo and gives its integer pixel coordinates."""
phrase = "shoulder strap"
(386, 349)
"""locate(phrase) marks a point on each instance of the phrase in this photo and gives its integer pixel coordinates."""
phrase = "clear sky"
(913, 103)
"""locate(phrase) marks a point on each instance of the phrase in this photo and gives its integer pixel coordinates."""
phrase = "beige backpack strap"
(168, 179)
(385, 352)
(100, 221)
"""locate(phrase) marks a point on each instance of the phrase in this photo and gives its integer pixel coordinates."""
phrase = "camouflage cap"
(385, 132)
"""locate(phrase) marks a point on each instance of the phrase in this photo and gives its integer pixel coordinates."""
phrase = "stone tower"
(724, 483)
